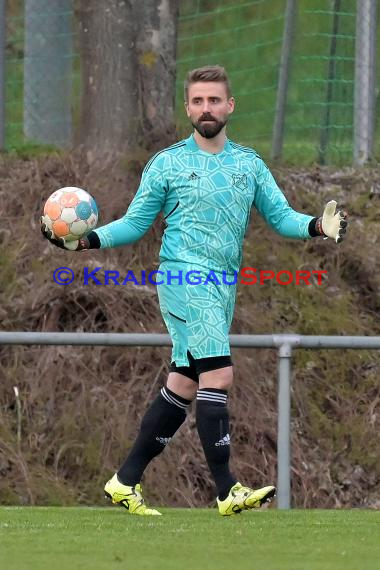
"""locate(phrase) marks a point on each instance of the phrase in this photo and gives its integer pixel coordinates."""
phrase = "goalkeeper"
(205, 186)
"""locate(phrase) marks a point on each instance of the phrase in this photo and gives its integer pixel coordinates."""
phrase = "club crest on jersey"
(240, 181)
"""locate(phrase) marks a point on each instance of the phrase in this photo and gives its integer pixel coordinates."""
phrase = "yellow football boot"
(243, 498)
(128, 497)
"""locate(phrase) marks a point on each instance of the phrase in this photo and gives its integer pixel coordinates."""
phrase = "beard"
(208, 130)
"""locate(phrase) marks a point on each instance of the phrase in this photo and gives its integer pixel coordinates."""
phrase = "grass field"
(36, 538)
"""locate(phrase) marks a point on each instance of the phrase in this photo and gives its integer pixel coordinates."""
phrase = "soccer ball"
(70, 213)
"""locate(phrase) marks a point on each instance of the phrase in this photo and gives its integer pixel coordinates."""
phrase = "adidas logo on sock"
(163, 440)
(224, 441)
(193, 176)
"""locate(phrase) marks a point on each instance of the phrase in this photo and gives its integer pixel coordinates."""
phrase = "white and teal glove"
(332, 224)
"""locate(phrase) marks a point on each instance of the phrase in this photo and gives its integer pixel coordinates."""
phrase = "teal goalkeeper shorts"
(198, 316)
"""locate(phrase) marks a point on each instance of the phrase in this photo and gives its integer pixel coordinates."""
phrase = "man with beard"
(205, 186)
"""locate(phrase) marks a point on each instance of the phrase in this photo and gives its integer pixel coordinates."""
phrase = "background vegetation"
(80, 407)
(246, 37)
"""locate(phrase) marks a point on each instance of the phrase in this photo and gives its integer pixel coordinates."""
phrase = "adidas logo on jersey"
(224, 441)
(163, 440)
(193, 176)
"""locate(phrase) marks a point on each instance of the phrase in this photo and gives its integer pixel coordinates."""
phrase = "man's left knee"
(215, 372)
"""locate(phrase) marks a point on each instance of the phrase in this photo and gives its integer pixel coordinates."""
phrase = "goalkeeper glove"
(88, 242)
(332, 224)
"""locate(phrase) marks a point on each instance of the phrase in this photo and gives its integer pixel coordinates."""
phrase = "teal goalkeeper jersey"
(206, 200)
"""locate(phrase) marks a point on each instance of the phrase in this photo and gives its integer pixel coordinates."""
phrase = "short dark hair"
(215, 73)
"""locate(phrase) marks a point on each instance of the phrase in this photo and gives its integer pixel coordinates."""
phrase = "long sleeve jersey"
(206, 201)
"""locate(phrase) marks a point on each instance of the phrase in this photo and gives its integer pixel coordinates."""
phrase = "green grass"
(106, 539)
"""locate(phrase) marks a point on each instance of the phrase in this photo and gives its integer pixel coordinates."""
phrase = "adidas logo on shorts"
(226, 440)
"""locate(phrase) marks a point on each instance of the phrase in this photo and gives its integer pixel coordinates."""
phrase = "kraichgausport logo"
(248, 276)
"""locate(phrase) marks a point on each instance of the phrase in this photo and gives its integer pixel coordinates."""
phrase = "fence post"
(2, 73)
(283, 80)
(365, 65)
(331, 72)
(48, 71)
(283, 427)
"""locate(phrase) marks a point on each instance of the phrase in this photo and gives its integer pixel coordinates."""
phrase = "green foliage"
(29, 150)
(246, 38)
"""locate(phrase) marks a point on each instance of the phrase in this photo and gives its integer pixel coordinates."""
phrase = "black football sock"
(160, 422)
(213, 428)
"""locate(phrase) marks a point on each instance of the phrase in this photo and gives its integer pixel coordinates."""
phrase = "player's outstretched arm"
(332, 224)
(272, 204)
(91, 241)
